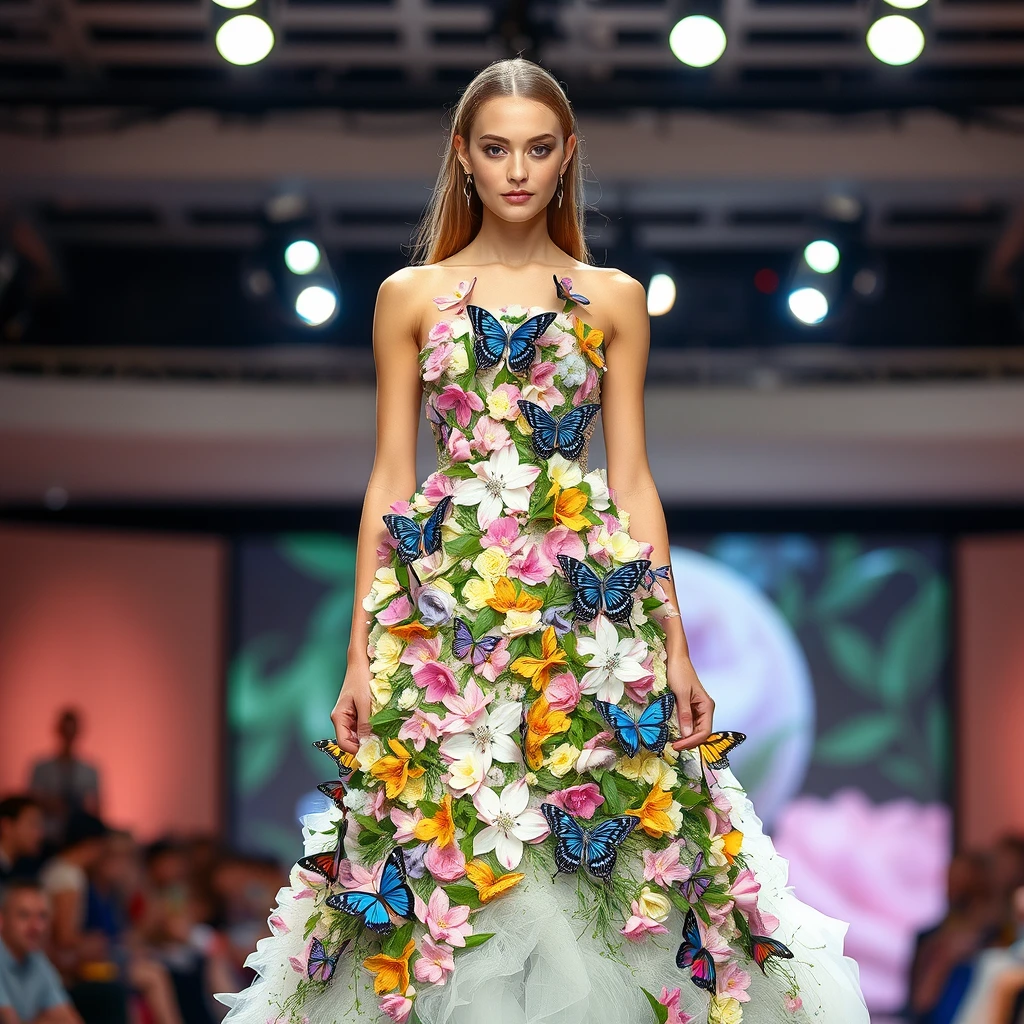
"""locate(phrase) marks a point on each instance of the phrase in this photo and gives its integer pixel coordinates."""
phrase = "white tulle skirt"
(544, 965)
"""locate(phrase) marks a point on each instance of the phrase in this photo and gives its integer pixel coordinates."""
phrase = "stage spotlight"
(906, 5)
(895, 40)
(316, 305)
(302, 256)
(822, 256)
(808, 305)
(697, 40)
(661, 294)
(234, 5)
(244, 39)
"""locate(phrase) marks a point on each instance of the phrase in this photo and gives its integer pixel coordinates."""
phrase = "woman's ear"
(460, 148)
(570, 148)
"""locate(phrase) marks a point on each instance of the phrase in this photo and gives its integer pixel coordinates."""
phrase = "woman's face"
(515, 153)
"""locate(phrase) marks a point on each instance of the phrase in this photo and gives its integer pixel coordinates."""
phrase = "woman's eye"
(544, 150)
(487, 150)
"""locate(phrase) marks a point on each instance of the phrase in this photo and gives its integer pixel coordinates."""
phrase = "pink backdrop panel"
(128, 628)
(991, 688)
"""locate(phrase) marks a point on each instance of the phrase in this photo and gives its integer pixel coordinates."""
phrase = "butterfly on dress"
(415, 540)
(328, 863)
(393, 896)
(692, 954)
(567, 435)
(435, 416)
(650, 729)
(613, 594)
(653, 575)
(494, 341)
(563, 288)
(764, 948)
(334, 791)
(345, 761)
(694, 887)
(714, 751)
(320, 966)
(593, 848)
(465, 647)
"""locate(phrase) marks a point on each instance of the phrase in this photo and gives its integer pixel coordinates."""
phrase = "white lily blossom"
(500, 483)
(488, 738)
(510, 823)
(613, 662)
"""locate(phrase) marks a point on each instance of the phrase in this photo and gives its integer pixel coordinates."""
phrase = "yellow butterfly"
(345, 761)
(714, 751)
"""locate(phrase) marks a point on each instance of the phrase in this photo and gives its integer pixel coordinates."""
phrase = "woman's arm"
(629, 477)
(393, 478)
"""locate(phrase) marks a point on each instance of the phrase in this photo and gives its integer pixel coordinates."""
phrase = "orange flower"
(568, 506)
(507, 599)
(411, 630)
(489, 886)
(390, 972)
(653, 819)
(440, 827)
(395, 771)
(590, 339)
(539, 669)
(731, 843)
(542, 722)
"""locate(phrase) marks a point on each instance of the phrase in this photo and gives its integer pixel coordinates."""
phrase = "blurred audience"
(21, 837)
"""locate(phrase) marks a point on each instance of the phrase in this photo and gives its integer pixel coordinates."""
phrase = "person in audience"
(28, 982)
(21, 836)
(65, 784)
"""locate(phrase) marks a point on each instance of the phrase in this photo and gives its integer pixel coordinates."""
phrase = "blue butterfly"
(653, 575)
(493, 338)
(321, 966)
(464, 646)
(564, 289)
(613, 594)
(414, 540)
(594, 849)
(650, 729)
(692, 954)
(567, 435)
(393, 896)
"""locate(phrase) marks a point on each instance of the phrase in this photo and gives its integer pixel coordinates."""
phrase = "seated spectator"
(21, 836)
(28, 981)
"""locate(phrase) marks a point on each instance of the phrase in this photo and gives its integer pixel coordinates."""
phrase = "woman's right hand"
(351, 714)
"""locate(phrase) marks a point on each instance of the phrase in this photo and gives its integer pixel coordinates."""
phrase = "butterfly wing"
(571, 430)
(326, 864)
(434, 415)
(586, 585)
(763, 948)
(694, 887)
(393, 888)
(715, 749)
(522, 342)
(320, 966)
(571, 838)
(702, 971)
(483, 648)
(603, 840)
(619, 586)
(432, 527)
(545, 427)
(490, 337)
(462, 644)
(691, 943)
(625, 727)
(408, 534)
(653, 575)
(652, 725)
(334, 791)
(367, 905)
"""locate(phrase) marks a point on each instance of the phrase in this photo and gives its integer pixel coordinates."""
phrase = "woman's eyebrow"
(499, 138)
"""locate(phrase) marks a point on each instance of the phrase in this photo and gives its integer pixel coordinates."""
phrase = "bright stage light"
(234, 5)
(906, 5)
(697, 40)
(244, 39)
(316, 305)
(895, 39)
(822, 256)
(302, 256)
(808, 305)
(661, 294)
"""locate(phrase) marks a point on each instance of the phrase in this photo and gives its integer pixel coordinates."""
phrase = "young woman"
(534, 821)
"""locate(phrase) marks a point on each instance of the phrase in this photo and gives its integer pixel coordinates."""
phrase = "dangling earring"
(467, 190)
(560, 191)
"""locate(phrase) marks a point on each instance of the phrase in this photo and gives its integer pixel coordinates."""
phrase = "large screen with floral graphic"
(829, 652)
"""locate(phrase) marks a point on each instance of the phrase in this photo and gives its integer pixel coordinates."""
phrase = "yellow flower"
(633, 767)
(386, 653)
(440, 827)
(492, 564)
(654, 905)
(380, 691)
(568, 506)
(732, 841)
(415, 790)
(518, 623)
(498, 404)
(542, 722)
(390, 972)
(477, 593)
(507, 598)
(489, 886)
(394, 771)
(590, 339)
(370, 751)
(411, 630)
(384, 586)
(725, 1010)
(443, 584)
(563, 759)
(562, 473)
(653, 819)
(539, 669)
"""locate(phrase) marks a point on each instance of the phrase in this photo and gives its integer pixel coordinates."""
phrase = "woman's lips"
(517, 197)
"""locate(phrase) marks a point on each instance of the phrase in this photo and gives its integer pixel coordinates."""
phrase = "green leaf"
(611, 793)
(914, 645)
(660, 1010)
(463, 895)
(386, 715)
(485, 620)
(466, 546)
(853, 654)
(311, 924)
(395, 942)
(851, 584)
(477, 939)
(859, 739)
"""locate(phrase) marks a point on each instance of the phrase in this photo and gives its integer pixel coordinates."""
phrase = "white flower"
(458, 364)
(509, 823)
(598, 484)
(563, 472)
(613, 662)
(500, 482)
(467, 774)
(408, 698)
(489, 738)
(384, 586)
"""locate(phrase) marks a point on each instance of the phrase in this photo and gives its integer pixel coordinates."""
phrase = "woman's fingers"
(696, 711)
(345, 719)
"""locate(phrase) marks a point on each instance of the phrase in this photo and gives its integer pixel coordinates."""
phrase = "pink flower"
(441, 331)
(581, 801)
(405, 823)
(375, 805)
(489, 435)
(514, 394)
(531, 567)
(792, 1002)
(458, 448)
(434, 963)
(733, 981)
(278, 925)
(397, 611)
(638, 689)
(503, 533)
(419, 727)
(298, 963)
(588, 385)
(465, 403)
(438, 361)
(445, 863)
(560, 540)
(494, 664)
(596, 753)
(457, 300)
(397, 1007)
(447, 923)
(355, 876)
(563, 692)
(670, 999)
(714, 943)
(437, 679)
(401, 508)
(421, 651)
(638, 927)
(541, 390)
(465, 708)
(663, 866)
(437, 486)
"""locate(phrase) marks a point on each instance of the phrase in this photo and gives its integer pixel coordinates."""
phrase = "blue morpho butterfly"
(613, 594)
(650, 729)
(694, 887)
(320, 966)
(692, 954)
(762, 948)
(563, 287)
(414, 540)
(594, 848)
(493, 339)
(464, 646)
(567, 435)
(393, 896)
(653, 575)
(328, 863)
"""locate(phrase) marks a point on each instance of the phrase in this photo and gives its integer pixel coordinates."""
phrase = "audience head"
(85, 839)
(22, 827)
(166, 863)
(24, 917)
(68, 727)
(1007, 863)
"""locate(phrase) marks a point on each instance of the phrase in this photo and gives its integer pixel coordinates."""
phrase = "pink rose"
(445, 863)
(639, 926)
(438, 360)
(397, 1007)
(563, 692)
(581, 801)
(397, 611)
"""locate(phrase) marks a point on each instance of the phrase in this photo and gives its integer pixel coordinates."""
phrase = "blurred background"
(198, 201)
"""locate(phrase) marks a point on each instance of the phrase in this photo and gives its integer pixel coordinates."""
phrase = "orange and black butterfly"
(335, 791)
(715, 750)
(328, 863)
(763, 948)
(345, 761)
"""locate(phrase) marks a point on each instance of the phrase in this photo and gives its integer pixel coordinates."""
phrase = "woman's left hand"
(694, 706)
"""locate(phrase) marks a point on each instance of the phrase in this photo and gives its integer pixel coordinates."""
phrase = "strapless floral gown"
(493, 771)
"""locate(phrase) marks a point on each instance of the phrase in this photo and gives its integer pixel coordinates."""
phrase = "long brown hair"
(449, 224)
